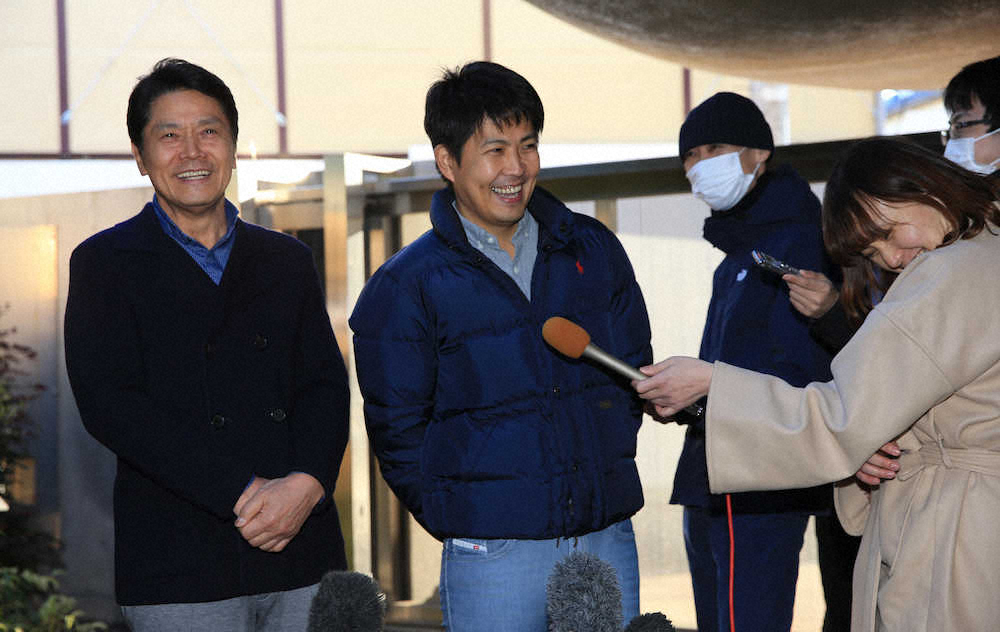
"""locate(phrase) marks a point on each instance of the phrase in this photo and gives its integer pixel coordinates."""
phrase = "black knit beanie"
(726, 117)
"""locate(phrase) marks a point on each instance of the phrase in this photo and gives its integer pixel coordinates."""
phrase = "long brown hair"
(894, 172)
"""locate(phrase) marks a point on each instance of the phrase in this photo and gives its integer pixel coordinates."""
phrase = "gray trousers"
(286, 611)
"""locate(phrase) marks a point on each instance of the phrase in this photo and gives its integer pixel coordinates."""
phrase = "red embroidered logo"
(579, 266)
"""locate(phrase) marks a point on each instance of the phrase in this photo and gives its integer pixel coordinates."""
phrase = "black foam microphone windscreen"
(347, 601)
(650, 622)
(583, 595)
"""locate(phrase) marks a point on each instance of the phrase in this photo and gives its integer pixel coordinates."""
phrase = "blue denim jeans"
(766, 567)
(499, 585)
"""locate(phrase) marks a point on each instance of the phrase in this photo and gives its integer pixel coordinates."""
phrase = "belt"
(969, 459)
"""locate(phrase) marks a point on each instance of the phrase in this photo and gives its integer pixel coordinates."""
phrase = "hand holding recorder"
(811, 293)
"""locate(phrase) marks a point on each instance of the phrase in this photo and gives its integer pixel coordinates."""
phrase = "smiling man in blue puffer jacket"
(510, 453)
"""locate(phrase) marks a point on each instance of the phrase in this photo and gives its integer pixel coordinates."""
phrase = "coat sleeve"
(852, 504)
(762, 433)
(833, 329)
(321, 397)
(396, 359)
(105, 367)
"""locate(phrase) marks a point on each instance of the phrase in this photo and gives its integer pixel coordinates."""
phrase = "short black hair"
(980, 79)
(459, 103)
(169, 75)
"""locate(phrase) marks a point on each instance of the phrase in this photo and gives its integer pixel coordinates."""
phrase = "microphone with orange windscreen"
(573, 341)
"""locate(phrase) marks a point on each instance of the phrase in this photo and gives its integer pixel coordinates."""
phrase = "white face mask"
(962, 152)
(719, 181)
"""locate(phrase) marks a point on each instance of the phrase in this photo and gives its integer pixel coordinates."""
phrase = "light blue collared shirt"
(525, 249)
(212, 260)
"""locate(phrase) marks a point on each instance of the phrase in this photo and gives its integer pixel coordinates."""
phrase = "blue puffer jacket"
(481, 428)
(751, 322)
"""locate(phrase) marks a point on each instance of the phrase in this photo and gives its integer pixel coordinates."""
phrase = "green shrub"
(29, 597)
(29, 602)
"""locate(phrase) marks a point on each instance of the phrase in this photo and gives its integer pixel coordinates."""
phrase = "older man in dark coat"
(200, 353)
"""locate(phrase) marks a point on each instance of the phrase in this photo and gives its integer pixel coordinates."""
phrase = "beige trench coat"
(924, 367)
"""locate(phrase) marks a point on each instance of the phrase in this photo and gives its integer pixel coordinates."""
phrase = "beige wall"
(819, 114)
(594, 91)
(97, 32)
(815, 114)
(74, 462)
(356, 73)
(29, 78)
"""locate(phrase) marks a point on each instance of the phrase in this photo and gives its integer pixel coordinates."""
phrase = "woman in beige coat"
(923, 369)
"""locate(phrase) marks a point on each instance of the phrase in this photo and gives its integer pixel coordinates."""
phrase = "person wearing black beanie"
(726, 117)
(727, 147)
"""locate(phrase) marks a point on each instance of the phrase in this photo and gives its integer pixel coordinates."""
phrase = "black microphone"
(650, 622)
(583, 595)
(347, 601)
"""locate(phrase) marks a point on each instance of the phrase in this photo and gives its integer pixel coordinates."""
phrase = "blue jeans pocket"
(467, 549)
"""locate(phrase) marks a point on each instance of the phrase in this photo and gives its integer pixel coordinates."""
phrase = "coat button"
(555, 390)
(209, 348)
(219, 422)
(260, 342)
(277, 415)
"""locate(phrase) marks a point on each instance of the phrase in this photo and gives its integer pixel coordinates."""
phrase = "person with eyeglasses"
(972, 141)
(924, 367)
(972, 99)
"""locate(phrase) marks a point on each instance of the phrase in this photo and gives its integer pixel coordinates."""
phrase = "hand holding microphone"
(573, 341)
(674, 383)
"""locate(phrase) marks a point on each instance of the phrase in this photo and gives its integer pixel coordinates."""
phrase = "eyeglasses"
(959, 125)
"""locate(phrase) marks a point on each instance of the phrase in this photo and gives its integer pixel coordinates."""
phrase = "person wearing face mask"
(972, 99)
(972, 141)
(726, 147)
(923, 368)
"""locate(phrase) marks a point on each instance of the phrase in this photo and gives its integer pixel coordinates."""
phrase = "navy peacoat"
(198, 387)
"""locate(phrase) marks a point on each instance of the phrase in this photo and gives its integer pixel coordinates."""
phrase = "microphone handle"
(609, 361)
